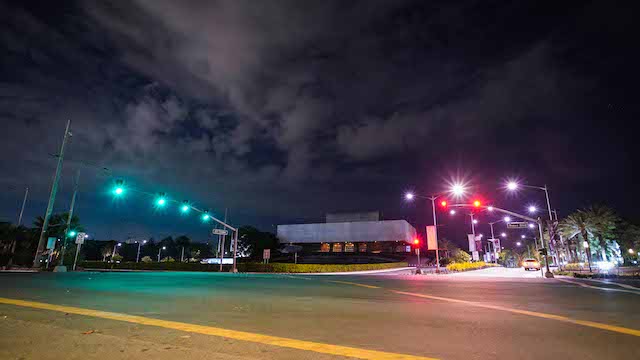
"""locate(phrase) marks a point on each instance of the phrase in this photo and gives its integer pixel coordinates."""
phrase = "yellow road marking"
(215, 331)
(355, 284)
(592, 324)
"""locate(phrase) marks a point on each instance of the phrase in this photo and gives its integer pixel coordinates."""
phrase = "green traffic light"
(205, 216)
(161, 202)
(118, 191)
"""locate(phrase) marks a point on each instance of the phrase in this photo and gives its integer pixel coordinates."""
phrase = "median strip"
(317, 347)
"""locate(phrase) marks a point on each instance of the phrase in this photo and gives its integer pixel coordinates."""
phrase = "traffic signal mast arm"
(497, 209)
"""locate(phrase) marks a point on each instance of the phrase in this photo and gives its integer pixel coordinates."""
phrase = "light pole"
(139, 244)
(115, 248)
(61, 267)
(160, 250)
(52, 198)
(24, 202)
(456, 190)
(588, 251)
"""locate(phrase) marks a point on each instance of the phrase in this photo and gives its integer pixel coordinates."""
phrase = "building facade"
(362, 233)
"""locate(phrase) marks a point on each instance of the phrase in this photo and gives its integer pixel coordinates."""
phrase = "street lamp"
(513, 186)
(585, 244)
(532, 209)
(452, 212)
(518, 243)
(631, 251)
(507, 219)
(504, 235)
(475, 221)
(522, 236)
(160, 250)
(457, 189)
(139, 244)
(531, 226)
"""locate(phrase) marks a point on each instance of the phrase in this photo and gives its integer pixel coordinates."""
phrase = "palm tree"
(603, 223)
(182, 241)
(578, 223)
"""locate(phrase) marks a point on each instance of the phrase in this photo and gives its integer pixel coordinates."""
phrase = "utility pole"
(435, 232)
(52, 198)
(24, 202)
(235, 250)
(221, 239)
(61, 267)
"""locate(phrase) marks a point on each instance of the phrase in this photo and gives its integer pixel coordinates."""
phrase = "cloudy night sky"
(282, 111)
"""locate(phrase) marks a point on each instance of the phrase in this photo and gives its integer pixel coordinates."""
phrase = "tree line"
(18, 244)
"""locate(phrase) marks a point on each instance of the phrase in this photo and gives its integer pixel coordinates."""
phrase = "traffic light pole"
(435, 232)
(61, 266)
(52, 198)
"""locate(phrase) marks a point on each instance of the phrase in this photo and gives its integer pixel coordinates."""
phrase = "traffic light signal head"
(416, 241)
(161, 201)
(205, 215)
(443, 203)
(185, 206)
(119, 189)
(477, 203)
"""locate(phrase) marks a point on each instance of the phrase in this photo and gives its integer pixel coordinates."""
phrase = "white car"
(532, 264)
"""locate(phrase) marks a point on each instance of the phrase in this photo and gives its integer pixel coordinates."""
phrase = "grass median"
(242, 267)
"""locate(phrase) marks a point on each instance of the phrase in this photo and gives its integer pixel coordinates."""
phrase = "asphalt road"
(163, 315)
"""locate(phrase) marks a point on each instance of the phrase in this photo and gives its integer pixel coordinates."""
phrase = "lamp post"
(160, 250)
(456, 190)
(115, 247)
(588, 251)
(139, 244)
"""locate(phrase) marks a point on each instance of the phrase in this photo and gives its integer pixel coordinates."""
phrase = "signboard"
(225, 261)
(517, 225)
(80, 238)
(266, 254)
(51, 243)
(432, 241)
(475, 255)
(219, 232)
(472, 243)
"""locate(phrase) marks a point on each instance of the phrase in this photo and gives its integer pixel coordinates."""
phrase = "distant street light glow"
(518, 243)
(409, 196)
(503, 234)
(458, 190)
(512, 185)
(507, 219)
(475, 221)
(490, 208)
(452, 212)
(631, 251)
(531, 226)
(522, 236)
(532, 209)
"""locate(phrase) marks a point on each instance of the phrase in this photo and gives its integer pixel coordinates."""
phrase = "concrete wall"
(353, 217)
(360, 231)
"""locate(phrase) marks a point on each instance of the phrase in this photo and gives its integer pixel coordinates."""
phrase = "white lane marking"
(631, 287)
(597, 287)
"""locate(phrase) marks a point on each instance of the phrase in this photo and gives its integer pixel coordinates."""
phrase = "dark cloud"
(288, 109)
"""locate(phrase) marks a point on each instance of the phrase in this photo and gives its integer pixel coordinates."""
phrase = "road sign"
(80, 238)
(517, 225)
(219, 232)
(266, 254)
(51, 242)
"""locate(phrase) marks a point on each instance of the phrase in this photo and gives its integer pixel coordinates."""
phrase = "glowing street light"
(458, 190)
(452, 212)
(504, 235)
(631, 251)
(532, 209)
(475, 221)
(161, 201)
(507, 219)
(409, 196)
(512, 185)
(205, 215)
(522, 236)
(119, 189)
(518, 243)
(490, 208)
(160, 250)
(531, 226)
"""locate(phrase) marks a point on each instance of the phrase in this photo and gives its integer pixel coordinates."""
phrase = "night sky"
(282, 111)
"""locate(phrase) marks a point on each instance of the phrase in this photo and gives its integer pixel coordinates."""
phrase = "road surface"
(169, 315)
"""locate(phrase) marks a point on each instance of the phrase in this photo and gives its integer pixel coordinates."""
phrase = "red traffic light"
(416, 241)
(477, 203)
(443, 203)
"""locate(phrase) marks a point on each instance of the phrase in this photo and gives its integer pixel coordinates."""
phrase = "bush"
(147, 259)
(243, 267)
(446, 261)
(460, 256)
(466, 266)
(116, 257)
(168, 259)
